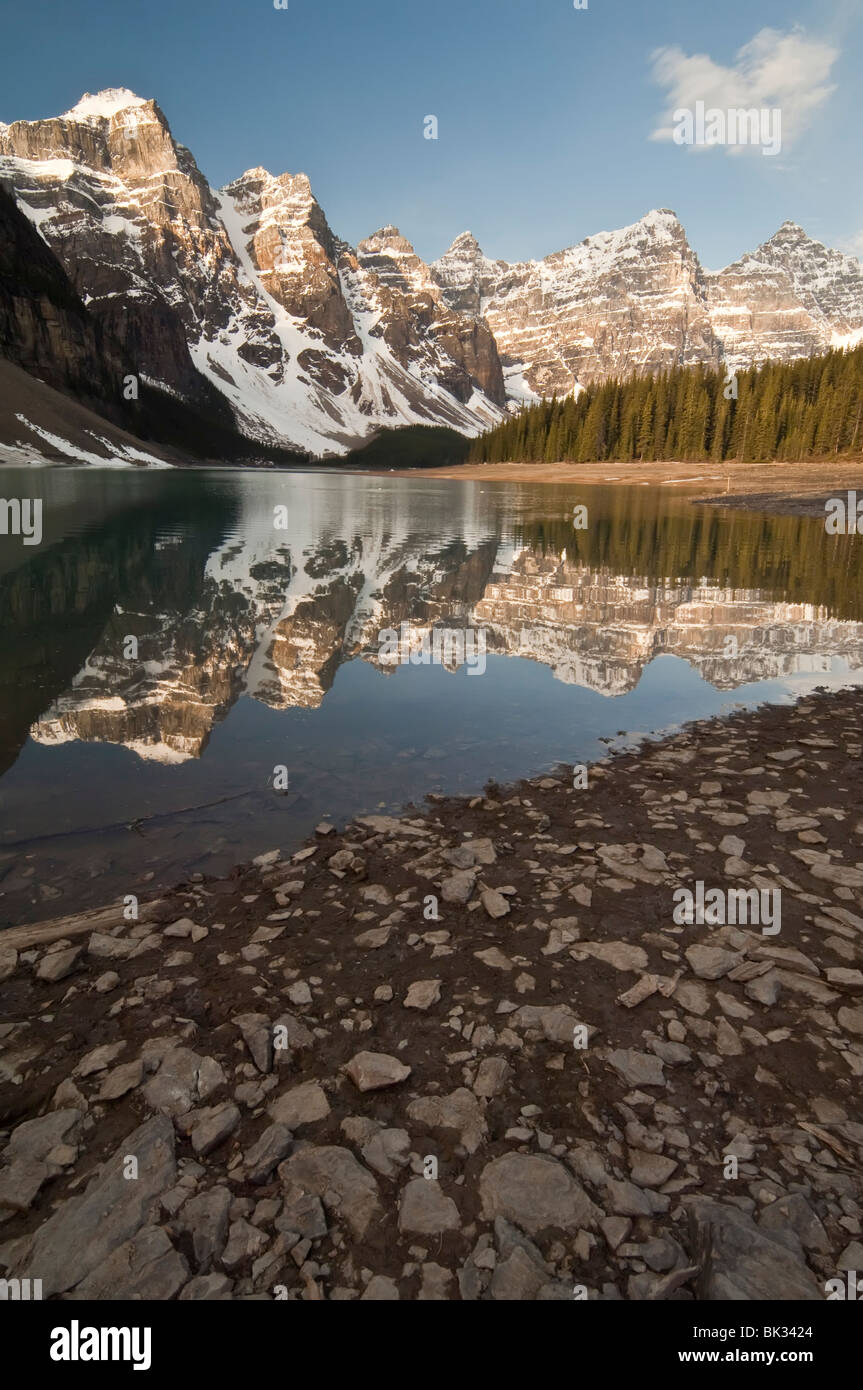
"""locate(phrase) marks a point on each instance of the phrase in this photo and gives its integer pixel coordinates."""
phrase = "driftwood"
(102, 919)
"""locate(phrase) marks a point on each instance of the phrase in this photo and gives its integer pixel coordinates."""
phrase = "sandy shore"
(468, 1053)
(780, 487)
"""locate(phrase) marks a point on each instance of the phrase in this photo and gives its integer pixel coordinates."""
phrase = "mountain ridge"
(315, 344)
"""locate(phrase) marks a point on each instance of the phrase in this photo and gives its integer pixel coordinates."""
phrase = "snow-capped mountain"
(244, 301)
(248, 290)
(637, 299)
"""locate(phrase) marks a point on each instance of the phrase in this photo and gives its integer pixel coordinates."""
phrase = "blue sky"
(547, 115)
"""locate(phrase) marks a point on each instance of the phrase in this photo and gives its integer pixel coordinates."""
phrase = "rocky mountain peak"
(102, 106)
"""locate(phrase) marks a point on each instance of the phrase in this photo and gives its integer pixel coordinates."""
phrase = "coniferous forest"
(786, 411)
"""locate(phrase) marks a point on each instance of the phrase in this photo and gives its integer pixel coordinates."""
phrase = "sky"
(553, 123)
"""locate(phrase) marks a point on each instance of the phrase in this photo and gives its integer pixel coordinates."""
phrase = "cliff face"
(790, 298)
(245, 295)
(619, 302)
(638, 300)
(44, 326)
(63, 369)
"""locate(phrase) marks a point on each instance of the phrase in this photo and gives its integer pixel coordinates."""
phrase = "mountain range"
(144, 314)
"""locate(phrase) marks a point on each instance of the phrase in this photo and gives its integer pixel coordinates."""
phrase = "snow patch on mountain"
(101, 106)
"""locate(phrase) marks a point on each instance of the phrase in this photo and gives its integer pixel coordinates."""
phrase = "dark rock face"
(44, 326)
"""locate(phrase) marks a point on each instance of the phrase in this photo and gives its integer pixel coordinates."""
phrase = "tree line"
(789, 411)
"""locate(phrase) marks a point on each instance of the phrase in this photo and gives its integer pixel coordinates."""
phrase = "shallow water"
(259, 648)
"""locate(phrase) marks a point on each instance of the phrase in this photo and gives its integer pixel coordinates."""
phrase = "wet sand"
(785, 488)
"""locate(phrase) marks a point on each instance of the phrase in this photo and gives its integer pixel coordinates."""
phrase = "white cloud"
(774, 69)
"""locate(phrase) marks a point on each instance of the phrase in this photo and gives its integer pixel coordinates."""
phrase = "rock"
(693, 997)
(376, 893)
(290, 1035)
(258, 1037)
(58, 964)
(517, 1278)
(494, 903)
(372, 1071)
(422, 994)
(184, 1077)
(343, 1184)
(302, 1105)
(78, 1237)
(435, 1286)
(381, 1289)
(459, 1111)
(732, 845)
(774, 799)
(851, 1257)
(841, 874)
(33, 1141)
(711, 962)
(637, 1068)
(205, 1218)
(840, 975)
(851, 1020)
(619, 954)
(641, 990)
(245, 1243)
(182, 928)
(650, 1169)
(792, 1215)
(387, 1151)
(615, 1229)
(373, 939)
(742, 1261)
(299, 992)
(8, 962)
(728, 1043)
(555, 1023)
(106, 982)
(104, 947)
(122, 1080)
(267, 1153)
(301, 1214)
(491, 1077)
(534, 1192)
(494, 959)
(147, 1267)
(458, 888)
(626, 1199)
(209, 1127)
(425, 1210)
(99, 1058)
(764, 989)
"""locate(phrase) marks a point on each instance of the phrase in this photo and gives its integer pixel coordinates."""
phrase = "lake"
(259, 698)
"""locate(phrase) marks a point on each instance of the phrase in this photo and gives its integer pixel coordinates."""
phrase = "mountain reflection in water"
(260, 647)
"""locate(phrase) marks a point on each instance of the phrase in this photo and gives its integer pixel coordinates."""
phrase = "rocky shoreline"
(467, 1053)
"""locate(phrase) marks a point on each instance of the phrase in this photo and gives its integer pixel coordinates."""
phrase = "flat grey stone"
(534, 1192)
(84, 1231)
(425, 1210)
